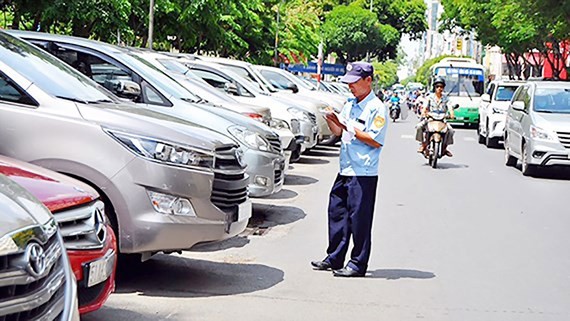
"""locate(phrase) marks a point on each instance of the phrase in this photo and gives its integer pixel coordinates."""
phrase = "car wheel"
(527, 169)
(490, 142)
(509, 159)
(480, 136)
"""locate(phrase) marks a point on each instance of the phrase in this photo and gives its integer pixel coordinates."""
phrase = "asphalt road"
(473, 240)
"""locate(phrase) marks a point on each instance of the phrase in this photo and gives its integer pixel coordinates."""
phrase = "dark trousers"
(351, 208)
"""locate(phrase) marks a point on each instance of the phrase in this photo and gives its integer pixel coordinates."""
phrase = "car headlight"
(278, 124)
(164, 152)
(542, 134)
(249, 138)
(299, 113)
(498, 110)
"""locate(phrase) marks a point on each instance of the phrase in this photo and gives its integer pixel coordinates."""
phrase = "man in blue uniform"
(362, 127)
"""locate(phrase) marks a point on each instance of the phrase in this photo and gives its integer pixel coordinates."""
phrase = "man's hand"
(333, 118)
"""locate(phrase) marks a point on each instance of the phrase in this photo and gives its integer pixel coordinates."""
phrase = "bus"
(465, 81)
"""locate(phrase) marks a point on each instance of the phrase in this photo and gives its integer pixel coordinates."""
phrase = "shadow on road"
(334, 148)
(282, 195)
(181, 277)
(321, 153)
(267, 215)
(108, 313)
(234, 242)
(291, 179)
(307, 160)
(395, 274)
(553, 173)
(449, 166)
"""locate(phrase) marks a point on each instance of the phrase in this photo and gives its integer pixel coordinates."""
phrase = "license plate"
(100, 270)
(244, 210)
(459, 118)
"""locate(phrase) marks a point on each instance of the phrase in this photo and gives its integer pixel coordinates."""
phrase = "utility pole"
(368, 53)
(276, 50)
(150, 23)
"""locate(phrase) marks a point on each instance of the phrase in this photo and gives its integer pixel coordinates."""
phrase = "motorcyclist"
(395, 100)
(436, 101)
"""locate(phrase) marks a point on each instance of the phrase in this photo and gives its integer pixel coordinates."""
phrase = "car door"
(514, 122)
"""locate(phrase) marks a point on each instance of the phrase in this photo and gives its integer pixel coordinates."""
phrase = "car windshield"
(158, 78)
(49, 73)
(505, 93)
(552, 100)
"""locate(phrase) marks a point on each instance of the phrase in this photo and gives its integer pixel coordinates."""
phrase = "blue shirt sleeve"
(377, 124)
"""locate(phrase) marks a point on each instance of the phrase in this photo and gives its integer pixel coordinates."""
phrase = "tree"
(386, 73)
(351, 32)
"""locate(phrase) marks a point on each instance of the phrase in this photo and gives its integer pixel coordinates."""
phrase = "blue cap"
(356, 71)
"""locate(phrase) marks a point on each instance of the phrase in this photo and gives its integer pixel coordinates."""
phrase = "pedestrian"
(362, 127)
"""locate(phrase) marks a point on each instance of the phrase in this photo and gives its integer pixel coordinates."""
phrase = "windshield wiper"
(544, 111)
(77, 100)
(195, 101)
(467, 91)
(100, 101)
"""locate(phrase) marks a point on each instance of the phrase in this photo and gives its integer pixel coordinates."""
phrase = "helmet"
(439, 80)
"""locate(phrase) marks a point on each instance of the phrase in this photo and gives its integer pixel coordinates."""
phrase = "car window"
(505, 93)
(12, 93)
(552, 100)
(519, 94)
(219, 82)
(277, 80)
(527, 98)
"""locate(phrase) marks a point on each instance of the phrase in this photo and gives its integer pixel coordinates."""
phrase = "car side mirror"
(518, 105)
(123, 88)
(291, 86)
(486, 98)
(455, 106)
(231, 89)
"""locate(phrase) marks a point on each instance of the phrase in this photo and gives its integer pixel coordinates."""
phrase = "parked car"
(259, 145)
(493, 111)
(537, 130)
(36, 280)
(88, 238)
(167, 184)
(283, 114)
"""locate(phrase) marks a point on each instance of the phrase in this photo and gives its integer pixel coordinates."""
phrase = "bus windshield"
(463, 82)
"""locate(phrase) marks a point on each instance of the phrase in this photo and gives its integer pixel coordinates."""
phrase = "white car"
(493, 111)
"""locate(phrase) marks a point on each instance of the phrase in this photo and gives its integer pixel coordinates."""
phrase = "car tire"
(481, 139)
(510, 160)
(490, 142)
(526, 169)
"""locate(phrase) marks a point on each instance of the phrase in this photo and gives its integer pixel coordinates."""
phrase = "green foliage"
(386, 73)
(424, 72)
(351, 31)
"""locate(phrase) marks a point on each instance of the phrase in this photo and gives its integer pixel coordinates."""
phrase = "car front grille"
(83, 227)
(230, 181)
(275, 143)
(30, 290)
(564, 138)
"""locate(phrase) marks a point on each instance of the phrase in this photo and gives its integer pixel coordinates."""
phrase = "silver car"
(36, 280)
(538, 126)
(109, 65)
(167, 184)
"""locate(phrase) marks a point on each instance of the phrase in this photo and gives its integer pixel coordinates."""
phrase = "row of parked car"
(531, 118)
(110, 150)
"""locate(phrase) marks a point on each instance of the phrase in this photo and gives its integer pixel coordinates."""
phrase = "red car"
(88, 238)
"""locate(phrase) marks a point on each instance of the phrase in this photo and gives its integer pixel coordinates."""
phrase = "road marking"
(408, 136)
(469, 139)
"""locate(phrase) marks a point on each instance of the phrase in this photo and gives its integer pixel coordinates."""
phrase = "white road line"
(408, 136)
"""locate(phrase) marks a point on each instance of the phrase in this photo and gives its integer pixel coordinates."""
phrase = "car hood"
(136, 120)
(19, 209)
(555, 122)
(54, 190)
(504, 105)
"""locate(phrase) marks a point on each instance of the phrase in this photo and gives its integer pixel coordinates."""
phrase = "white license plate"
(100, 270)
(244, 210)
(459, 118)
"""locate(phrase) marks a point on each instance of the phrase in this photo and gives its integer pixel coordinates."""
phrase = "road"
(474, 240)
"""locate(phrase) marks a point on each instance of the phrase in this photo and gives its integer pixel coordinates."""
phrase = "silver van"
(537, 129)
(110, 66)
(166, 183)
(36, 280)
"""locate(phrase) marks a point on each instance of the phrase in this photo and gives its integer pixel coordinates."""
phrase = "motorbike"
(394, 111)
(436, 131)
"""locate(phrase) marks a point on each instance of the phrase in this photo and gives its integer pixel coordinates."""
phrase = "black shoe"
(348, 272)
(321, 265)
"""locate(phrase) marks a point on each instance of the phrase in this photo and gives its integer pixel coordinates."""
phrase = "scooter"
(436, 131)
(394, 111)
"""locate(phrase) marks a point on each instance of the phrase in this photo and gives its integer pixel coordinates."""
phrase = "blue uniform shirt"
(356, 157)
